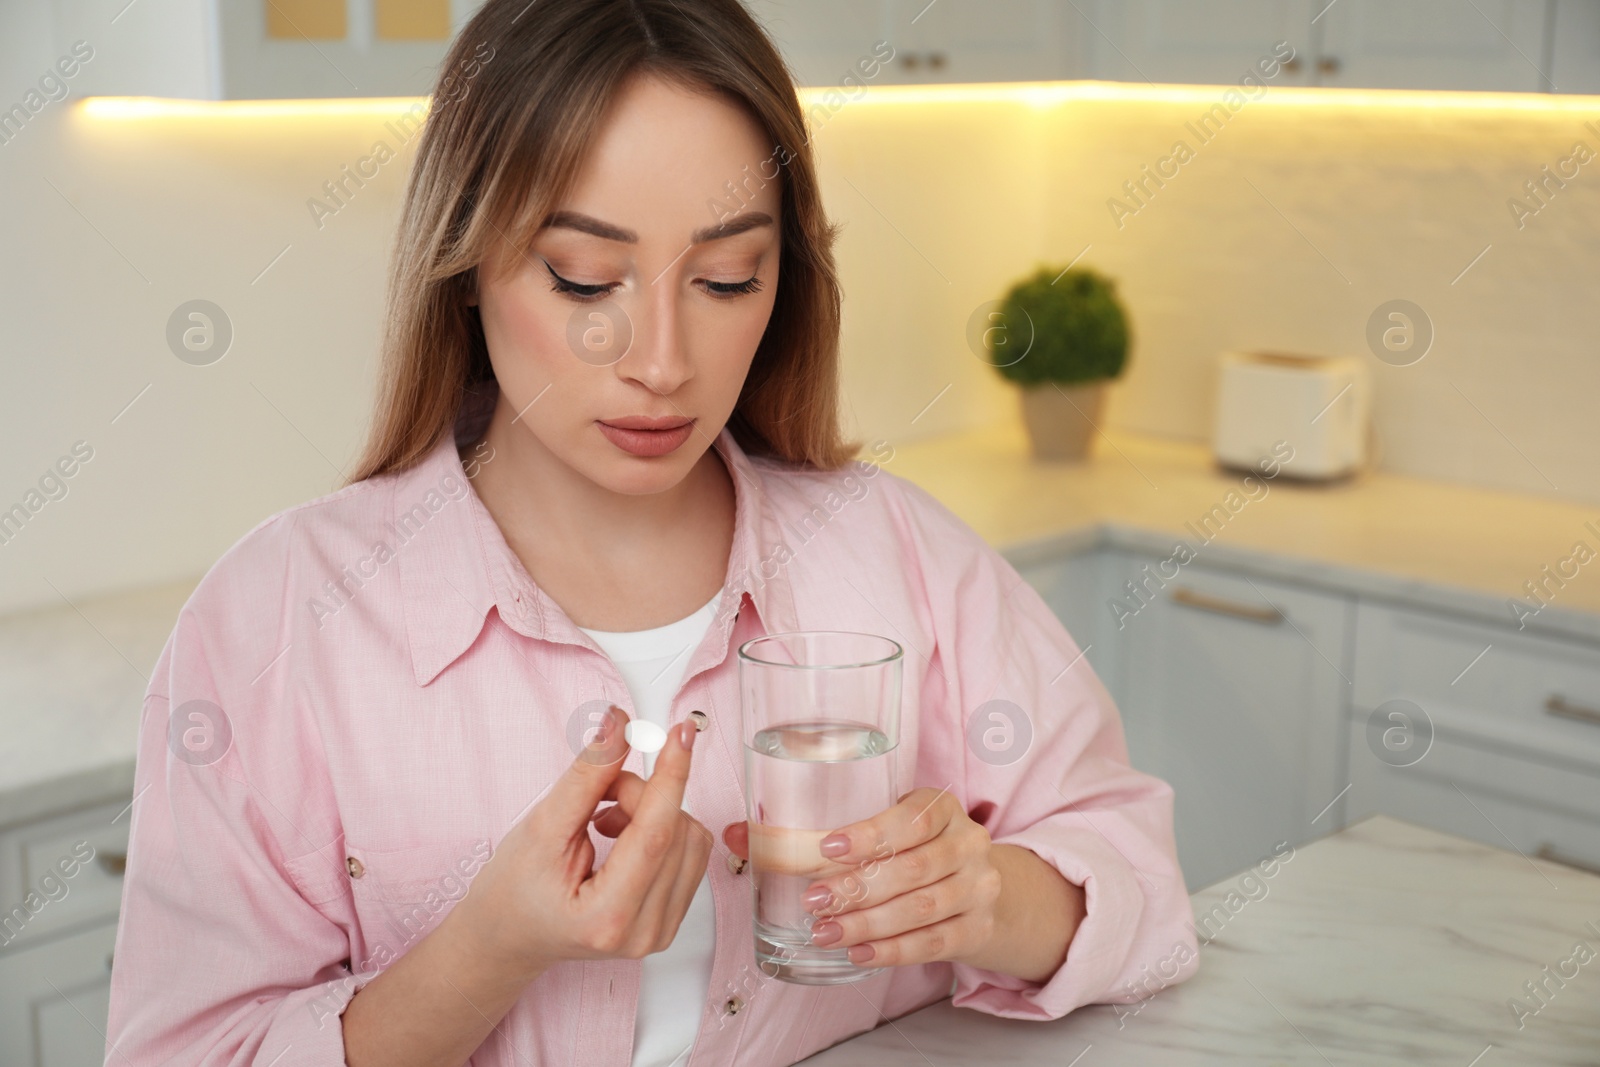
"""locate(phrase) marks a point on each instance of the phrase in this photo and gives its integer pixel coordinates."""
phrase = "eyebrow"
(574, 220)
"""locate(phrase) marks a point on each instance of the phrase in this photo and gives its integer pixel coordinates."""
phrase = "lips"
(645, 435)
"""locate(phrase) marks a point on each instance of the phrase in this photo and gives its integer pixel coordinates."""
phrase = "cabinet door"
(823, 40)
(1435, 44)
(1198, 42)
(979, 40)
(1074, 586)
(944, 41)
(1575, 53)
(1234, 693)
(54, 999)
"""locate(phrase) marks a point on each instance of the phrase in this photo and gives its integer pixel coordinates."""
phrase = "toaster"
(1314, 409)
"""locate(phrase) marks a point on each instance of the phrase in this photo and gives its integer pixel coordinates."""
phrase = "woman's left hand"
(921, 885)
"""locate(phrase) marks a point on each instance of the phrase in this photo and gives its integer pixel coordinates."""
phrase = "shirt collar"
(455, 564)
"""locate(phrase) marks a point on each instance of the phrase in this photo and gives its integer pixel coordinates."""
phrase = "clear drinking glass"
(821, 723)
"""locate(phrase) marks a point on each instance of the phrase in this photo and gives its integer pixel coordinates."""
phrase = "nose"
(658, 359)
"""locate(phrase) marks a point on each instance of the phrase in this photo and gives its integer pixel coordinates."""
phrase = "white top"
(674, 984)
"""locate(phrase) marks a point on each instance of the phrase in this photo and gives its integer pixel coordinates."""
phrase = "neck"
(532, 492)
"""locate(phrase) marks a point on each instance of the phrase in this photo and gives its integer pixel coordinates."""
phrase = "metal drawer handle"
(1555, 855)
(113, 862)
(1558, 705)
(1189, 598)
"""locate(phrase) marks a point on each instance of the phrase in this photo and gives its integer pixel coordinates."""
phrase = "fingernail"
(826, 933)
(835, 845)
(686, 733)
(602, 732)
(817, 896)
(860, 953)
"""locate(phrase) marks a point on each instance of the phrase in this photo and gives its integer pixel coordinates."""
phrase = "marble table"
(1384, 943)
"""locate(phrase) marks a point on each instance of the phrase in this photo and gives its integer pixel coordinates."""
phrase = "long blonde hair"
(521, 93)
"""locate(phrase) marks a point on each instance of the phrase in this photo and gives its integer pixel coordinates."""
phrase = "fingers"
(570, 802)
(921, 815)
(782, 850)
(653, 914)
(645, 843)
(626, 790)
(691, 872)
(896, 873)
(948, 939)
(923, 906)
(877, 881)
(736, 835)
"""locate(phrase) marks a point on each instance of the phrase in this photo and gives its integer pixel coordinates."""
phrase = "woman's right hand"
(540, 901)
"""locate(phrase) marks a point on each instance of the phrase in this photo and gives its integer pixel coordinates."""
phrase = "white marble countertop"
(72, 684)
(1425, 543)
(1384, 943)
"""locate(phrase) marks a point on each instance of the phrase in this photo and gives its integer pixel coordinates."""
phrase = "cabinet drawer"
(33, 857)
(1538, 696)
(1489, 796)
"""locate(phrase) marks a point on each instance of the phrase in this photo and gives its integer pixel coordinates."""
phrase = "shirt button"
(353, 865)
(735, 863)
(733, 1005)
(700, 719)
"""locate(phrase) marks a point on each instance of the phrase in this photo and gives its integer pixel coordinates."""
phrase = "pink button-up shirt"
(368, 690)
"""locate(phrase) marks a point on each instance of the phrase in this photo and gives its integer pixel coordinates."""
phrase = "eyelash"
(591, 293)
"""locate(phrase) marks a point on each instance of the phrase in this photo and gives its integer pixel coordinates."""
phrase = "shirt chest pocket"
(403, 893)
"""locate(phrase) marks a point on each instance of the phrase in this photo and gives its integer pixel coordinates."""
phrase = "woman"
(606, 454)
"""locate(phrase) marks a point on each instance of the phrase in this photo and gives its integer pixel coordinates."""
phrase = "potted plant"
(1060, 336)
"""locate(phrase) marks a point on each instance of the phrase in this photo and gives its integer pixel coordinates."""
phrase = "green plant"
(1079, 329)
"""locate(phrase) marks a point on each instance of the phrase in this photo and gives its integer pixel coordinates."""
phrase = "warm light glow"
(151, 107)
(1034, 94)
(1047, 94)
(1052, 93)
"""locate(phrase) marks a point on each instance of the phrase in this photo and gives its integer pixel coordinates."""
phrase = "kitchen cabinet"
(1075, 586)
(824, 40)
(231, 50)
(1285, 711)
(1575, 46)
(1233, 689)
(948, 41)
(93, 845)
(1202, 42)
(1463, 788)
(1435, 44)
(55, 963)
(997, 40)
(54, 998)
(1506, 724)
(250, 49)
(1506, 45)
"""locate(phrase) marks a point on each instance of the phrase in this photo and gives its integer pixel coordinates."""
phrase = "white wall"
(1284, 232)
(110, 226)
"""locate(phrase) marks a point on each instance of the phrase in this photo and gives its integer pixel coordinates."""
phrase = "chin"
(635, 476)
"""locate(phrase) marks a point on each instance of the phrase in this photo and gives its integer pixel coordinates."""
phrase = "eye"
(576, 290)
(725, 290)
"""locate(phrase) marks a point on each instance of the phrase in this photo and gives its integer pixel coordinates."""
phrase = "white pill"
(644, 735)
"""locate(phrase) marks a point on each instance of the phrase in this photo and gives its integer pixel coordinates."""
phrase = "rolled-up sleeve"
(227, 951)
(1015, 714)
